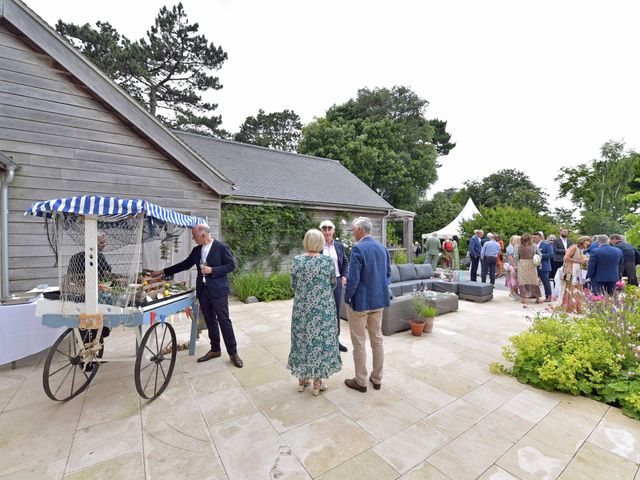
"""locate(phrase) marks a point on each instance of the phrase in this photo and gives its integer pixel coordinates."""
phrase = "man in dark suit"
(546, 252)
(628, 259)
(560, 246)
(214, 261)
(475, 249)
(604, 266)
(366, 295)
(335, 250)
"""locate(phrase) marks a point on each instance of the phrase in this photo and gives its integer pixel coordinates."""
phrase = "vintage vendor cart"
(97, 294)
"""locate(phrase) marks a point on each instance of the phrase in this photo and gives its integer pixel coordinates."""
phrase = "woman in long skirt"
(527, 271)
(571, 278)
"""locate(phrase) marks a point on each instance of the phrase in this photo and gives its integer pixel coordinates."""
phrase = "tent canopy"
(468, 212)
(113, 208)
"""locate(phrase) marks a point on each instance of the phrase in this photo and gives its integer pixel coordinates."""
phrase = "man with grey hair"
(629, 258)
(366, 295)
(214, 261)
(604, 266)
(433, 251)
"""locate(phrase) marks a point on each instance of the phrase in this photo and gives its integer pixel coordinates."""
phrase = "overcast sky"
(527, 85)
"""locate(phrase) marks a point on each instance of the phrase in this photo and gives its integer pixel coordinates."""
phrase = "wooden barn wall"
(68, 143)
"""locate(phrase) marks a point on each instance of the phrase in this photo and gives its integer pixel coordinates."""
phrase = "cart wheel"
(155, 360)
(64, 375)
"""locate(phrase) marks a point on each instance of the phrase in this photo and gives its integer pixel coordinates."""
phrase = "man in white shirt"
(335, 250)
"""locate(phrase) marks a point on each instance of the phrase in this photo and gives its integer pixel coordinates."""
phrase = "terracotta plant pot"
(417, 327)
(428, 325)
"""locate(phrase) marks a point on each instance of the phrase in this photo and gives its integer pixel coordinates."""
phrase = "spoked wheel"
(64, 375)
(155, 360)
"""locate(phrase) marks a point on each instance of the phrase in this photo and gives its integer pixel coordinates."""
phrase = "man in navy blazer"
(628, 259)
(214, 261)
(335, 250)
(366, 295)
(546, 252)
(604, 266)
(475, 250)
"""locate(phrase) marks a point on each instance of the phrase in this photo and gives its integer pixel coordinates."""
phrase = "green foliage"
(595, 355)
(507, 221)
(600, 189)
(633, 219)
(420, 259)
(422, 308)
(265, 288)
(383, 137)
(432, 215)
(508, 187)
(167, 71)
(256, 232)
(399, 257)
(393, 236)
(280, 130)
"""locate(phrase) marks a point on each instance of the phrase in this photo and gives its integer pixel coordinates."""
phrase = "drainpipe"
(4, 248)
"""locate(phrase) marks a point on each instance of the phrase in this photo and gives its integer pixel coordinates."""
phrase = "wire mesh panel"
(118, 257)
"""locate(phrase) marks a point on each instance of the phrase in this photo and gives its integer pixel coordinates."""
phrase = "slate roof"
(269, 174)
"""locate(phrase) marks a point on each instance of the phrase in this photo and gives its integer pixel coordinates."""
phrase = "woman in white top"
(572, 277)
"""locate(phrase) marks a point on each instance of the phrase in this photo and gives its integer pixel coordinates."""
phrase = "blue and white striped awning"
(111, 207)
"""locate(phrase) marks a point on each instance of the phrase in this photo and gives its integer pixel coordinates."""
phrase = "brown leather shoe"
(236, 360)
(376, 386)
(209, 355)
(351, 383)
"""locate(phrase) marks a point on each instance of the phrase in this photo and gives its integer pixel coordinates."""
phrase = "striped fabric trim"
(112, 207)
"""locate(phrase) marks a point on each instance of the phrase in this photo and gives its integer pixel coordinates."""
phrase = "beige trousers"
(359, 323)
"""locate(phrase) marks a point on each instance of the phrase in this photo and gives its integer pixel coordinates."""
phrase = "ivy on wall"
(257, 233)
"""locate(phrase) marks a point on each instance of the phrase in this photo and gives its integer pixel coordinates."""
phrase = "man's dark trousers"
(629, 271)
(216, 313)
(337, 295)
(600, 288)
(489, 265)
(474, 268)
(544, 276)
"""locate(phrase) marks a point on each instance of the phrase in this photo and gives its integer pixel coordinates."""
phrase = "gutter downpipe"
(7, 178)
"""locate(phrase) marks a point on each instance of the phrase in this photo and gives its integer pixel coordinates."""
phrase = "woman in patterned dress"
(314, 331)
(571, 292)
(527, 271)
(456, 253)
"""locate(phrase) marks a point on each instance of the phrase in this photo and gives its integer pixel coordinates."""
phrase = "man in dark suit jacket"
(628, 259)
(366, 295)
(214, 261)
(604, 266)
(546, 252)
(560, 246)
(335, 250)
(475, 249)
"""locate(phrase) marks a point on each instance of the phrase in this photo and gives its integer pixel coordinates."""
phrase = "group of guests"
(446, 251)
(317, 278)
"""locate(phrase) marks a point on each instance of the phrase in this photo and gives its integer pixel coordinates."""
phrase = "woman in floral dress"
(527, 271)
(571, 295)
(314, 331)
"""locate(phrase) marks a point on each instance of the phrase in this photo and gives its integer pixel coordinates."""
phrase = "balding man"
(214, 261)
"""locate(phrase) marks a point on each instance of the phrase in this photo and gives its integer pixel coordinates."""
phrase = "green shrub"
(399, 257)
(422, 308)
(595, 355)
(265, 288)
(420, 258)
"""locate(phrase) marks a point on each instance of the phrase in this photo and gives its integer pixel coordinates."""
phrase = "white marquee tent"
(468, 212)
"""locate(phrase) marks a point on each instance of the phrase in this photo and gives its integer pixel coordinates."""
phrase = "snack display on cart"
(97, 242)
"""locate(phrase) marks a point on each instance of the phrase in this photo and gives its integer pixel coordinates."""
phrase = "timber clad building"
(69, 130)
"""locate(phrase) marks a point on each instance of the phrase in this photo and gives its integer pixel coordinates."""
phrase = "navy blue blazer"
(220, 259)
(369, 269)
(343, 266)
(546, 252)
(604, 264)
(475, 246)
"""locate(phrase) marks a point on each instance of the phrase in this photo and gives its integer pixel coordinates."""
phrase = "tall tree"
(279, 130)
(168, 70)
(508, 187)
(600, 189)
(432, 215)
(507, 221)
(384, 138)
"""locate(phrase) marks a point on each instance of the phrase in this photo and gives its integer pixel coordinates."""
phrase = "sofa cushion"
(395, 274)
(407, 272)
(442, 286)
(424, 270)
(395, 289)
(475, 288)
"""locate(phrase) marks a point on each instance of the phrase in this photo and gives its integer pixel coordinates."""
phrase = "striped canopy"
(113, 208)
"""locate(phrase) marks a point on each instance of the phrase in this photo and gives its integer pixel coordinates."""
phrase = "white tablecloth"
(22, 333)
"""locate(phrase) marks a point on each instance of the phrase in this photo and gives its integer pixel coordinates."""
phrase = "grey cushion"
(395, 274)
(407, 271)
(442, 286)
(476, 298)
(475, 288)
(424, 270)
(395, 289)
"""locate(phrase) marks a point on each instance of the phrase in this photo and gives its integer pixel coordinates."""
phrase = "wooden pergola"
(406, 217)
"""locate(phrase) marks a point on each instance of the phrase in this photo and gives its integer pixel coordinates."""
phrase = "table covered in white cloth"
(22, 333)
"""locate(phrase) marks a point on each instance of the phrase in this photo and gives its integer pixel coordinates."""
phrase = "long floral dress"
(314, 331)
(527, 273)
(571, 295)
(456, 256)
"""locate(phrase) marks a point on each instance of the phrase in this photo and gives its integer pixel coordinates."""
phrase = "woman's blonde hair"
(313, 241)
(583, 239)
(515, 241)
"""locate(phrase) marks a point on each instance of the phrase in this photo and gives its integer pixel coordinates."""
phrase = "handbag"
(537, 259)
(566, 277)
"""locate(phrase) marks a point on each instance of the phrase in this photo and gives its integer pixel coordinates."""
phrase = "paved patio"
(440, 414)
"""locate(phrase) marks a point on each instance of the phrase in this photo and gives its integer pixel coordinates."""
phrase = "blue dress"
(314, 331)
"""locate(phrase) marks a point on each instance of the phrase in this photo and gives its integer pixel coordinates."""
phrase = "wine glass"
(203, 263)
